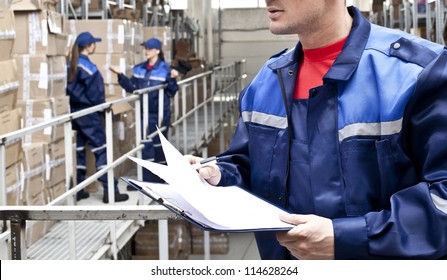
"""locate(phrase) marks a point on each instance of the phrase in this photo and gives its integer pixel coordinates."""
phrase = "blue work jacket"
(87, 89)
(142, 78)
(376, 136)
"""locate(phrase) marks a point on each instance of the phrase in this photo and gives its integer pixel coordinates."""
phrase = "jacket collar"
(346, 63)
(81, 55)
(155, 66)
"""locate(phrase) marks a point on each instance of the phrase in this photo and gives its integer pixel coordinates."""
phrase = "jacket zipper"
(284, 96)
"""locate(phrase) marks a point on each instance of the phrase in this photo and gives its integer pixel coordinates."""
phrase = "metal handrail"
(224, 76)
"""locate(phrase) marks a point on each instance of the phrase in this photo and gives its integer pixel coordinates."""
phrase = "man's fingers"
(193, 159)
(210, 173)
(294, 219)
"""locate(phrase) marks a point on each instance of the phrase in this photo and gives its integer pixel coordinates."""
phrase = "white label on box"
(47, 116)
(121, 34)
(44, 33)
(43, 77)
(133, 37)
(121, 134)
(123, 65)
(47, 167)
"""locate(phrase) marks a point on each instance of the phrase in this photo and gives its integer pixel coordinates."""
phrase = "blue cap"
(85, 39)
(152, 43)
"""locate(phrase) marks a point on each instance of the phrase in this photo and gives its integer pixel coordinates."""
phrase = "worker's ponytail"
(73, 68)
(161, 55)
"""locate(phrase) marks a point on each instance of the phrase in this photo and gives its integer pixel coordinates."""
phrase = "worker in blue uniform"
(347, 132)
(85, 88)
(152, 72)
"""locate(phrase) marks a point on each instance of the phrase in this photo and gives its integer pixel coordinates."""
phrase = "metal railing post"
(184, 123)
(205, 108)
(68, 134)
(18, 247)
(196, 115)
(138, 135)
(213, 109)
(161, 98)
(111, 178)
(3, 173)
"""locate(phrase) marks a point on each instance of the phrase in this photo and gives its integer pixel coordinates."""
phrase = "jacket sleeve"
(127, 84)
(234, 163)
(415, 226)
(171, 86)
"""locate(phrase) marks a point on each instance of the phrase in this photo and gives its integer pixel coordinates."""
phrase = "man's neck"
(331, 31)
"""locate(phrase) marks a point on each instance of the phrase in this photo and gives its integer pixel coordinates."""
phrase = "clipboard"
(191, 214)
(211, 208)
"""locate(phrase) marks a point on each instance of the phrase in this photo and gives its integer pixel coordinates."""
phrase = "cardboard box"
(37, 111)
(34, 157)
(118, 108)
(117, 60)
(41, 76)
(7, 33)
(8, 100)
(146, 241)
(218, 242)
(33, 5)
(56, 190)
(14, 184)
(115, 33)
(114, 90)
(56, 149)
(40, 33)
(35, 230)
(9, 85)
(56, 172)
(56, 154)
(34, 188)
(138, 37)
(11, 121)
(129, 14)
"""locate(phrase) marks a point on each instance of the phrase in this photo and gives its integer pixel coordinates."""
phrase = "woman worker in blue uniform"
(152, 72)
(85, 88)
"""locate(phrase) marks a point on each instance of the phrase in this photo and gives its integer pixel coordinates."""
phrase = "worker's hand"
(115, 70)
(311, 239)
(211, 173)
(174, 73)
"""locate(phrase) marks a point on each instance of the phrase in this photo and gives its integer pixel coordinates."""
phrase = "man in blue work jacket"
(347, 132)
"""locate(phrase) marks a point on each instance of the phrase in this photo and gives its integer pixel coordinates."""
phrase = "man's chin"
(279, 30)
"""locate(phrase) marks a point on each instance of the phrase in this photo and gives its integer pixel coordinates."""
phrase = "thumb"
(294, 219)
(211, 173)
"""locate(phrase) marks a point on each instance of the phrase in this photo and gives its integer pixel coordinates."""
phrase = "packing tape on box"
(30, 120)
(119, 36)
(7, 34)
(45, 77)
(9, 87)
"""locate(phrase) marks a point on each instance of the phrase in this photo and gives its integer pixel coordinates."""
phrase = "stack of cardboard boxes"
(179, 241)
(184, 239)
(39, 52)
(10, 115)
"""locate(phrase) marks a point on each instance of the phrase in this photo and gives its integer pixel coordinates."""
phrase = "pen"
(204, 162)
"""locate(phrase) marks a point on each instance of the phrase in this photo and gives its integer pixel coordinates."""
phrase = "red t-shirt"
(315, 64)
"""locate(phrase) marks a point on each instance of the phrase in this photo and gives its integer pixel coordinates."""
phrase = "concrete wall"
(245, 35)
